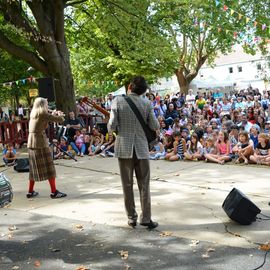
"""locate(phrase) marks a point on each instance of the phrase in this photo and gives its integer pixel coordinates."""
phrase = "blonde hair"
(39, 107)
(264, 136)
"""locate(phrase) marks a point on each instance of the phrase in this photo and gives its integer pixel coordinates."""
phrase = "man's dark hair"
(138, 85)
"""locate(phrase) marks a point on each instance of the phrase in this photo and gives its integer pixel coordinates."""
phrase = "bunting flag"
(240, 16)
(18, 82)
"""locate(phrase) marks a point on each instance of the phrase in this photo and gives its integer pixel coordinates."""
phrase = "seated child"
(79, 145)
(176, 126)
(158, 151)
(244, 148)
(9, 155)
(209, 147)
(64, 147)
(108, 147)
(194, 148)
(179, 148)
(86, 138)
(262, 151)
(223, 149)
(95, 146)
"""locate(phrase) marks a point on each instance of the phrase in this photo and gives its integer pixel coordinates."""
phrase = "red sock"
(52, 184)
(31, 186)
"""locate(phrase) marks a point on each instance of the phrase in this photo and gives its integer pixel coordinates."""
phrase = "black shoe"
(57, 194)
(132, 223)
(31, 194)
(151, 225)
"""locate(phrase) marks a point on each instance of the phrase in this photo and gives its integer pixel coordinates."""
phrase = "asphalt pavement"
(88, 229)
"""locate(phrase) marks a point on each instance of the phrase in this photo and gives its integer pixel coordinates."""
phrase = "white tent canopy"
(121, 91)
(212, 82)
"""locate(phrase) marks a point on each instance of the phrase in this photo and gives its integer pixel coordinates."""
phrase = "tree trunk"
(60, 70)
(50, 54)
(182, 81)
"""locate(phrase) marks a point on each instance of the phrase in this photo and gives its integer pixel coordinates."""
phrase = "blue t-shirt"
(5, 151)
(255, 140)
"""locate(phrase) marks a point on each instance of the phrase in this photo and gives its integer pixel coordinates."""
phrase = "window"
(259, 66)
(240, 69)
(230, 70)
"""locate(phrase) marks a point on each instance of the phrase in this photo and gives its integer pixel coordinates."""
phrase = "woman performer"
(40, 158)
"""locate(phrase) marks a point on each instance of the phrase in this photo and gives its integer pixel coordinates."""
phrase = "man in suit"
(131, 149)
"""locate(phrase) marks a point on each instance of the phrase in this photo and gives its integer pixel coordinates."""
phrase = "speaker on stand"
(46, 88)
(239, 208)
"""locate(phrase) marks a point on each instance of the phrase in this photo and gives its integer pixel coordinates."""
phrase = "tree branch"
(22, 53)
(13, 15)
(73, 3)
(59, 20)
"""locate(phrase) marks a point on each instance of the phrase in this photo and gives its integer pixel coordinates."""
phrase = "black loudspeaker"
(46, 88)
(22, 165)
(239, 208)
(102, 127)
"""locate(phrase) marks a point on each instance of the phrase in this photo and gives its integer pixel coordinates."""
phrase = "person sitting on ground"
(158, 151)
(171, 114)
(194, 148)
(179, 148)
(176, 126)
(209, 147)
(254, 132)
(63, 147)
(262, 151)
(168, 142)
(108, 147)
(95, 146)
(9, 155)
(72, 124)
(244, 148)
(86, 138)
(79, 145)
(223, 149)
(95, 133)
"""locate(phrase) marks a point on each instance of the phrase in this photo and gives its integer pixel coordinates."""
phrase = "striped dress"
(180, 150)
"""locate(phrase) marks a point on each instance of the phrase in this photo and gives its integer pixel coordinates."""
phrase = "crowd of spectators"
(213, 126)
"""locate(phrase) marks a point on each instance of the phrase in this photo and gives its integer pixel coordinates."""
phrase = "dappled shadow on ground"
(64, 244)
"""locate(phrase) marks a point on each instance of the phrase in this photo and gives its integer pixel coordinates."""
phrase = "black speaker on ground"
(239, 208)
(46, 88)
(102, 127)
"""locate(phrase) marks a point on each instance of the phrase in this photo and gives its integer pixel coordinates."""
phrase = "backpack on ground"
(22, 165)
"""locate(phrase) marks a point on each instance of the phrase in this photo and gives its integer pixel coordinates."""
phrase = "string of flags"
(31, 79)
(248, 38)
(248, 20)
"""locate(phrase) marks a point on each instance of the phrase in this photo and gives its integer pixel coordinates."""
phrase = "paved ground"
(88, 228)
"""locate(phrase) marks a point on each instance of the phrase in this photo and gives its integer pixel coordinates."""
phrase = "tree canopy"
(110, 41)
